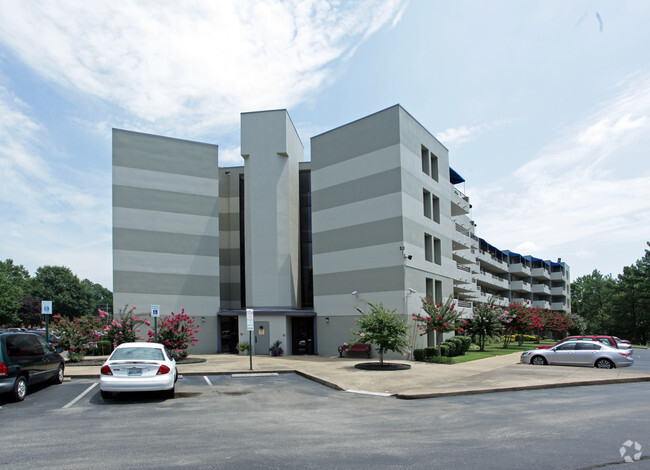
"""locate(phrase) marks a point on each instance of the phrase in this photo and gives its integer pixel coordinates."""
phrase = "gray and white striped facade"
(374, 217)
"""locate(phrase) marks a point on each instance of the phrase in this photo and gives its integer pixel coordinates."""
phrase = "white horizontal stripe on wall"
(165, 181)
(344, 304)
(349, 170)
(167, 263)
(369, 210)
(171, 222)
(193, 305)
(378, 256)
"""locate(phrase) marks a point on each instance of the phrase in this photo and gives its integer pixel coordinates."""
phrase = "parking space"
(79, 393)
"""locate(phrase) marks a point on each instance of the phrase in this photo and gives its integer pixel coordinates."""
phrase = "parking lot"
(287, 421)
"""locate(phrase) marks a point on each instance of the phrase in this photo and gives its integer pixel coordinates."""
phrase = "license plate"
(135, 371)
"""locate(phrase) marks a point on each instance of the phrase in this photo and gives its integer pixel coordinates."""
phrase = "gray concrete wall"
(166, 227)
(367, 187)
(272, 151)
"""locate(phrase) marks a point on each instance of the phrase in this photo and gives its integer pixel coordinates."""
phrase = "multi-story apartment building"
(376, 216)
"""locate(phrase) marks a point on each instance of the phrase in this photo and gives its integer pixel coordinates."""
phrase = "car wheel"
(538, 361)
(58, 378)
(604, 364)
(106, 394)
(170, 393)
(176, 377)
(20, 389)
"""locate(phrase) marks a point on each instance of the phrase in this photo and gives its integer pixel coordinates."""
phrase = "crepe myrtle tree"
(441, 318)
(383, 328)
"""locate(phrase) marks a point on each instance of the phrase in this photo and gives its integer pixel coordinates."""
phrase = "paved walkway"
(423, 380)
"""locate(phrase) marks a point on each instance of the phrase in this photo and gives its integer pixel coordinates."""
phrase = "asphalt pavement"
(422, 380)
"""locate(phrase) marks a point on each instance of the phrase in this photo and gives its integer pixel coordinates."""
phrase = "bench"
(355, 348)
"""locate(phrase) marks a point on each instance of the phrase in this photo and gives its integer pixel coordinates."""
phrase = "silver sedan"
(580, 353)
(138, 367)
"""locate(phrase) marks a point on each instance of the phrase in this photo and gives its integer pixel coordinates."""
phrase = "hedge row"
(456, 346)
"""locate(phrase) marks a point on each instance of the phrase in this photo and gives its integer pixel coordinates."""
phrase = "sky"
(543, 105)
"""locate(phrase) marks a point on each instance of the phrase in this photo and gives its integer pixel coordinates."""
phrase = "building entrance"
(302, 337)
(229, 328)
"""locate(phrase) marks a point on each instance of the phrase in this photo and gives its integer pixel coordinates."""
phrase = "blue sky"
(544, 106)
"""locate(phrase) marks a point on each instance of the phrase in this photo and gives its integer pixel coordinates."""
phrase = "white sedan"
(138, 367)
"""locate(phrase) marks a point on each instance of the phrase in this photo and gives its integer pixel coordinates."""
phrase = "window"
(429, 291)
(426, 201)
(437, 251)
(435, 208)
(428, 247)
(425, 160)
(438, 292)
(434, 167)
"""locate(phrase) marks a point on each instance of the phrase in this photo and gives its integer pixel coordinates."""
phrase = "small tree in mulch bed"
(383, 328)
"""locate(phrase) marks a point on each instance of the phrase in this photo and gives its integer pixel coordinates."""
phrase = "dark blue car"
(27, 359)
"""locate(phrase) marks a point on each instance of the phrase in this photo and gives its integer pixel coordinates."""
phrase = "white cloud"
(51, 213)
(587, 192)
(455, 136)
(191, 66)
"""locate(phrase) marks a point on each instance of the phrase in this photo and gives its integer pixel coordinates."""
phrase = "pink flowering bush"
(124, 329)
(176, 332)
(441, 318)
(76, 336)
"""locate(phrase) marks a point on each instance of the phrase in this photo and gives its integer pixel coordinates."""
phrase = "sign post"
(46, 309)
(250, 324)
(155, 313)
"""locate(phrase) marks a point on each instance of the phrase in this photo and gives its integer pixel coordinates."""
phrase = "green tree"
(58, 284)
(485, 322)
(590, 297)
(102, 298)
(382, 327)
(13, 287)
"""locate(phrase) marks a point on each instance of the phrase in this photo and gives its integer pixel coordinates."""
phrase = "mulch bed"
(384, 366)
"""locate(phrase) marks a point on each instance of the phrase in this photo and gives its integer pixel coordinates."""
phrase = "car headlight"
(525, 353)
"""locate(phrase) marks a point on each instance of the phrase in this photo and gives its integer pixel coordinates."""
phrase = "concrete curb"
(412, 396)
(420, 396)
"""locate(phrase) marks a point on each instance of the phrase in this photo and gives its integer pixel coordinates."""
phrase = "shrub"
(444, 349)
(458, 343)
(430, 352)
(419, 354)
(466, 341)
(74, 335)
(452, 349)
(104, 347)
(176, 332)
(125, 329)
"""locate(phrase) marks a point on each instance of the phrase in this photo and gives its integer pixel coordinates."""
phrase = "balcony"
(558, 306)
(464, 307)
(486, 258)
(541, 289)
(558, 276)
(492, 281)
(544, 304)
(541, 273)
(461, 238)
(558, 291)
(519, 268)
(520, 286)
(459, 203)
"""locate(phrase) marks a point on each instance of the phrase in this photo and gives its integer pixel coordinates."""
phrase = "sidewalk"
(423, 380)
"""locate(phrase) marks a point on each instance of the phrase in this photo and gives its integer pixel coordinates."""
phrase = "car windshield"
(149, 354)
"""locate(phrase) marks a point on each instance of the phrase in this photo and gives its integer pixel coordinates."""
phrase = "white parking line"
(207, 380)
(80, 396)
(376, 394)
(258, 374)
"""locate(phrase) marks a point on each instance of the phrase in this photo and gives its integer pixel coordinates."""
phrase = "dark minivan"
(26, 359)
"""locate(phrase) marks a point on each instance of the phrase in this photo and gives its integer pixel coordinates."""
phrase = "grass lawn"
(496, 349)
